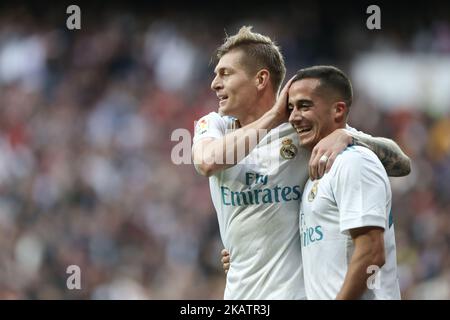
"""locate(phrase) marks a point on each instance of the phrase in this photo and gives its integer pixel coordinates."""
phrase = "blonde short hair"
(259, 52)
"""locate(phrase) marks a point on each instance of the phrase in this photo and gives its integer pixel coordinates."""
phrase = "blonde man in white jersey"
(346, 230)
(257, 192)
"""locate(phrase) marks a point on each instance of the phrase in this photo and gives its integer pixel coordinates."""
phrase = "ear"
(262, 79)
(340, 111)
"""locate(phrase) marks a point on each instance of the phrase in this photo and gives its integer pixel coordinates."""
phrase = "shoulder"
(213, 121)
(355, 131)
(214, 118)
(357, 157)
(358, 167)
(357, 152)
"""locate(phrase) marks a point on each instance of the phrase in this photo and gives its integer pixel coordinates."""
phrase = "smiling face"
(312, 115)
(234, 86)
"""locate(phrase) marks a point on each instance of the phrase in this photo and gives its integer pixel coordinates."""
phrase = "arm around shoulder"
(394, 160)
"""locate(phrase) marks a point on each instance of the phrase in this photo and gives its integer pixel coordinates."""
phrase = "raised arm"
(211, 155)
(394, 160)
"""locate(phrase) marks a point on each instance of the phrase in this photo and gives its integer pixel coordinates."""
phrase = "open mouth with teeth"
(303, 130)
(222, 98)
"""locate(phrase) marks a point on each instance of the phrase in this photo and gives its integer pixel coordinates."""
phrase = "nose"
(295, 116)
(216, 84)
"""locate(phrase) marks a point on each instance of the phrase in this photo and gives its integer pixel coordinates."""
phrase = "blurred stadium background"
(86, 118)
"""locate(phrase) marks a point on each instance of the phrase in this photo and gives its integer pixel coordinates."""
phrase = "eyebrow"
(303, 102)
(221, 69)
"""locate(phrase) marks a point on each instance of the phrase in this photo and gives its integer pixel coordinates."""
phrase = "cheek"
(235, 89)
(243, 93)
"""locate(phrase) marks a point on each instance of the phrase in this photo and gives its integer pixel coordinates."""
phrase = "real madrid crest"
(288, 149)
(313, 192)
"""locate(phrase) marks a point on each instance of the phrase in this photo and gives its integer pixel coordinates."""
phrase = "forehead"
(303, 89)
(230, 60)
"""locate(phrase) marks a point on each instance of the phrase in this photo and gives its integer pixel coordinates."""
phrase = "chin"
(307, 143)
(226, 112)
(222, 111)
(307, 146)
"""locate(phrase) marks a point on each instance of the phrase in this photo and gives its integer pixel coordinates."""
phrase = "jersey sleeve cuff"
(368, 220)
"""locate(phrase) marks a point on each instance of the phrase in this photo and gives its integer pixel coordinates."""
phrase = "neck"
(258, 109)
(327, 133)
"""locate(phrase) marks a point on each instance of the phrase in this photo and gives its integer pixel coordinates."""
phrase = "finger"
(321, 167)
(312, 163)
(286, 87)
(284, 91)
(225, 259)
(226, 271)
(314, 152)
(226, 266)
(288, 84)
(330, 161)
(224, 252)
(315, 164)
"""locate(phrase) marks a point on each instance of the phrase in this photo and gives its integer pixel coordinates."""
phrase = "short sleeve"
(357, 132)
(361, 189)
(209, 126)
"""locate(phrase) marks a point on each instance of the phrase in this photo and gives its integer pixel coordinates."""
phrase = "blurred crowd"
(86, 117)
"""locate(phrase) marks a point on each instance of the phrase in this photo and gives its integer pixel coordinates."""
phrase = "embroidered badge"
(313, 192)
(288, 149)
(202, 126)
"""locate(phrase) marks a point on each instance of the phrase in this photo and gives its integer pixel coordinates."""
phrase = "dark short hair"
(331, 78)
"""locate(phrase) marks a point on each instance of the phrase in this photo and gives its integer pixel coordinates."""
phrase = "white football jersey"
(355, 193)
(257, 203)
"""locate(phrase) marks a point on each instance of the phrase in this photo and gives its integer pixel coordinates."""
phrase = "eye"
(290, 107)
(305, 107)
